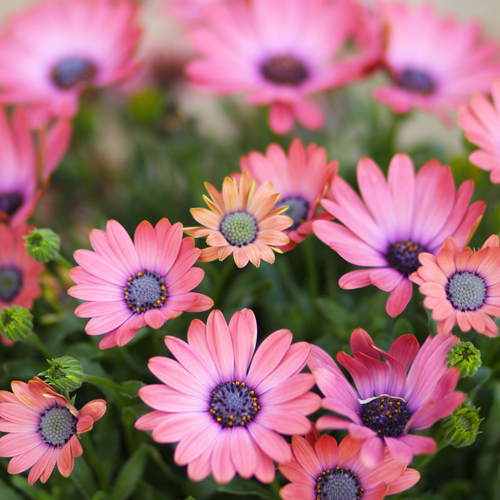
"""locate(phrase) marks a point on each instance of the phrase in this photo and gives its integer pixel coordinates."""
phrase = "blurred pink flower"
(397, 219)
(435, 63)
(226, 403)
(23, 169)
(189, 11)
(279, 53)
(19, 273)
(322, 469)
(55, 50)
(462, 286)
(129, 285)
(412, 389)
(302, 178)
(42, 429)
(480, 120)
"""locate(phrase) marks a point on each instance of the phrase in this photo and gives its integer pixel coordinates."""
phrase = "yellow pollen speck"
(139, 274)
(219, 419)
(138, 309)
(243, 384)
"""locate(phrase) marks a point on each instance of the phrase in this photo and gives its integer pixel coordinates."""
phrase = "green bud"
(16, 323)
(65, 373)
(462, 426)
(465, 357)
(42, 244)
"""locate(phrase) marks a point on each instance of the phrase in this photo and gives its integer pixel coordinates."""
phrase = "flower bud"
(16, 323)
(65, 373)
(462, 426)
(465, 357)
(42, 244)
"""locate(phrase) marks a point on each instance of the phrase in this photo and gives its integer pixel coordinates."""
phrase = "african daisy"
(227, 403)
(55, 50)
(412, 389)
(241, 221)
(462, 286)
(128, 285)
(302, 178)
(42, 429)
(397, 219)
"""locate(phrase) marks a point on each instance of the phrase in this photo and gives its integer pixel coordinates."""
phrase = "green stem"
(33, 340)
(312, 270)
(63, 261)
(102, 382)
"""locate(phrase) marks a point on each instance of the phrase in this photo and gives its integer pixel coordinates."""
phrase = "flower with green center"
(461, 287)
(42, 244)
(465, 357)
(462, 427)
(243, 220)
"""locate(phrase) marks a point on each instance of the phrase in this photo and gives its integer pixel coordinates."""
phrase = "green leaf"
(129, 476)
(7, 493)
(33, 492)
(244, 487)
(83, 478)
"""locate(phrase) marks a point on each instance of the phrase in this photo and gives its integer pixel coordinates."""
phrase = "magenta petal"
(386, 278)
(291, 388)
(243, 452)
(287, 422)
(335, 423)
(200, 467)
(356, 279)
(271, 443)
(399, 298)
(100, 267)
(150, 420)
(372, 452)
(420, 445)
(123, 247)
(104, 324)
(175, 426)
(360, 374)
(404, 349)
(93, 309)
(399, 450)
(161, 397)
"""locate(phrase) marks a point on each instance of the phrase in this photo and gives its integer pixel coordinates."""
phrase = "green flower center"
(239, 229)
(284, 70)
(145, 291)
(416, 81)
(466, 291)
(57, 425)
(297, 210)
(10, 202)
(338, 484)
(11, 282)
(72, 71)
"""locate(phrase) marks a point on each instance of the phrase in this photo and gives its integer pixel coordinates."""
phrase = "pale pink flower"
(302, 178)
(480, 120)
(412, 389)
(322, 469)
(226, 403)
(25, 167)
(435, 62)
(279, 53)
(55, 50)
(129, 285)
(462, 286)
(189, 11)
(397, 219)
(42, 429)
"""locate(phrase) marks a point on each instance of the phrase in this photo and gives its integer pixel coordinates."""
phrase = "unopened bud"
(462, 426)
(465, 357)
(42, 244)
(65, 373)
(16, 323)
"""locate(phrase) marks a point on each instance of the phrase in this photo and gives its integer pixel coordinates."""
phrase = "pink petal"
(123, 247)
(154, 318)
(22, 462)
(372, 452)
(271, 443)
(12, 445)
(287, 422)
(220, 345)
(399, 450)
(306, 456)
(243, 453)
(145, 244)
(174, 427)
(243, 330)
(104, 324)
(399, 298)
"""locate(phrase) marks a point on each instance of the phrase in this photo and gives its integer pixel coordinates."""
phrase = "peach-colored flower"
(241, 221)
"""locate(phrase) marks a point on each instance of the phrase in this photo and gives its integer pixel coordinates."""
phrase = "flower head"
(397, 219)
(302, 178)
(462, 427)
(55, 50)
(16, 323)
(42, 429)
(23, 170)
(226, 403)
(480, 120)
(129, 285)
(322, 469)
(278, 53)
(461, 286)
(412, 389)
(241, 221)
(465, 357)
(437, 68)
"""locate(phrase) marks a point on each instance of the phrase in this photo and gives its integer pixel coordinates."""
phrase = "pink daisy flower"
(462, 286)
(412, 389)
(22, 172)
(397, 219)
(57, 49)
(242, 221)
(19, 273)
(226, 403)
(480, 120)
(322, 469)
(188, 11)
(42, 429)
(129, 285)
(435, 63)
(278, 53)
(302, 178)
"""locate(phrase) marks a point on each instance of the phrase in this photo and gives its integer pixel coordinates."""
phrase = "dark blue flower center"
(11, 282)
(233, 404)
(57, 425)
(145, 291)
(338, 484)
(239, 228)
(72, 71)
(297, 210)
(403, 256)
(416, 81)
(284, 70)
(10, 202)
(466, 291)
(386, 415)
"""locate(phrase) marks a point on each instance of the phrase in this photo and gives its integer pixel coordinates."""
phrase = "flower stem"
(33, 340)
(63, 261)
